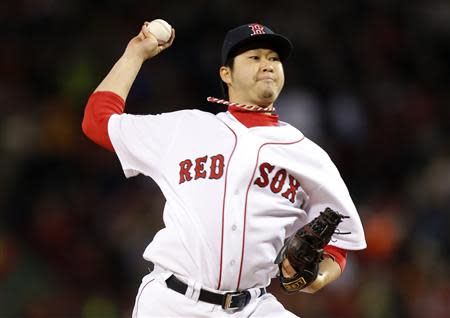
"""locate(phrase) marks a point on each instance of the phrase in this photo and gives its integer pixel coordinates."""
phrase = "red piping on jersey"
(246, 200)
(98, 110)
(339, 255)
(223, 207)
(139, 296)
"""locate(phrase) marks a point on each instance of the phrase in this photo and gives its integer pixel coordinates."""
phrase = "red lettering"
(279, 178)
(199, 167)
(185, 175)
(292, 191)
(217, 164)
(264, 169)
(278, 181)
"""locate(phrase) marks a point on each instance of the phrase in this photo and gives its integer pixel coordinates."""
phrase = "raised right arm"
(110, 95)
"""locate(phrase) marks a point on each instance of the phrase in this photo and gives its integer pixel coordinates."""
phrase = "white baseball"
(161, 30)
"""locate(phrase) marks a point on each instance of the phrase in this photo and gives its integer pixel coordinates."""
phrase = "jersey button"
(232, 262)
(234, 227)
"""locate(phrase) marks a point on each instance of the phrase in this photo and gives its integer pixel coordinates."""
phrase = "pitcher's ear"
(225, 74)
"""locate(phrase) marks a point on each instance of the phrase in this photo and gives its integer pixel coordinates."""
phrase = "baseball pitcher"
(248, 196)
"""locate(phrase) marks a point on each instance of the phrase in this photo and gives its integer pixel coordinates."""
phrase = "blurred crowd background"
(368, 81)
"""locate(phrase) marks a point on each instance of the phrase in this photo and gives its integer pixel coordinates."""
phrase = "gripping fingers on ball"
(147, 34)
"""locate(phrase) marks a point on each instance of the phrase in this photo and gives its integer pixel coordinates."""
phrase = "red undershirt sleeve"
(99, 108)
(338, 254)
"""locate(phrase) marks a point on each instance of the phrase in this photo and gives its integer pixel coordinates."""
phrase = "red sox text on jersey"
(195, 169)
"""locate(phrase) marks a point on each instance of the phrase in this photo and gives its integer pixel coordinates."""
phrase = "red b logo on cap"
(257, 29)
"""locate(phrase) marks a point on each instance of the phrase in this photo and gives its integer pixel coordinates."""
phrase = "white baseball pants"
(154, 299)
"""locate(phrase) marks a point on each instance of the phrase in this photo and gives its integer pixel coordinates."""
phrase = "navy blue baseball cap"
(252, 36)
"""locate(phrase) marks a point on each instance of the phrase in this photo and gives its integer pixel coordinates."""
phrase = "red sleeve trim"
(338, 254)
(100, 106)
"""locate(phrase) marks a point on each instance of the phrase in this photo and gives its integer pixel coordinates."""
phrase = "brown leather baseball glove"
(304, 250)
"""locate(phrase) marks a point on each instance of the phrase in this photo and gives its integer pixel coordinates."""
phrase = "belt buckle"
(228, 300)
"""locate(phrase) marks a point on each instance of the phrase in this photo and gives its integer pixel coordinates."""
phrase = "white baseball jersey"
(234, 194)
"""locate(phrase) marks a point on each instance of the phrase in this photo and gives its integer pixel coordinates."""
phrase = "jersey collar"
(252, 119)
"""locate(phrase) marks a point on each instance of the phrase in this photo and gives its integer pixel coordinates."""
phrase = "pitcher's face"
(256, 78)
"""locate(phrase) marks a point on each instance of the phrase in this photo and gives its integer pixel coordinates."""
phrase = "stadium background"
(368, 81)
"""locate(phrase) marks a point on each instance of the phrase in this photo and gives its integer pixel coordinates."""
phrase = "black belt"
(227, 300)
